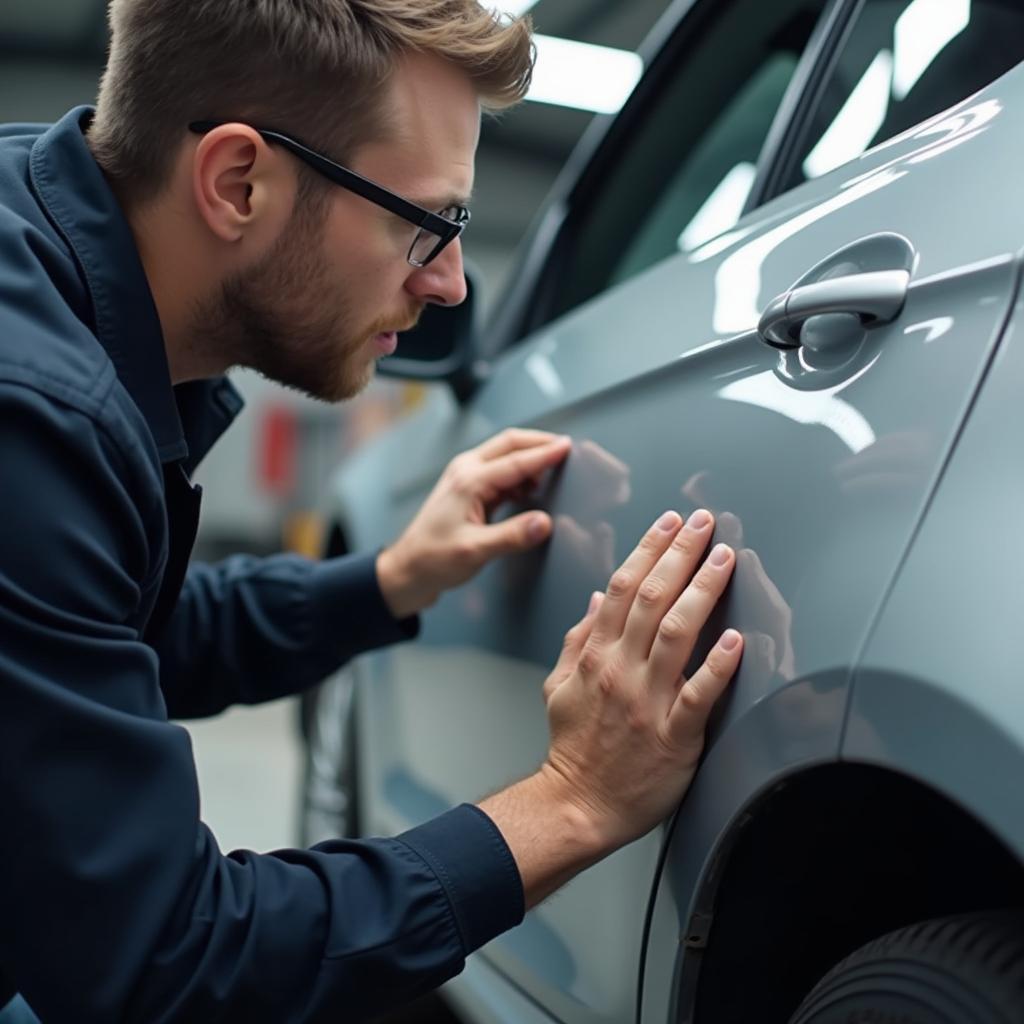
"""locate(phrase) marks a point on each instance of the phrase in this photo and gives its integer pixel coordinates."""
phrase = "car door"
(698, 360)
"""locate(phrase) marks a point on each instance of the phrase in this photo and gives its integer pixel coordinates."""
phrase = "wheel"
(967, 969)
(329, 804)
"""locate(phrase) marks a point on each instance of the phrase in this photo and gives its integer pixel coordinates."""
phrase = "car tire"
(329, 806)
(967, 969)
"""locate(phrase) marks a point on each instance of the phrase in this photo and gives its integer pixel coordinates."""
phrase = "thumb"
(519, 533)
(572, 646)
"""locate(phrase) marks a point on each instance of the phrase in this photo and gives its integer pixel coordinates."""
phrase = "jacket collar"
(82, 206)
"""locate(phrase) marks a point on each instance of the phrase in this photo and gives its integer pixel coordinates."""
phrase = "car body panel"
(939, 693)
(482, 995)
(671, 396)
(910, 710)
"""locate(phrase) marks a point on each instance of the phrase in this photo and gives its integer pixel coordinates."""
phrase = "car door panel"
(675, 402)
(915, 398)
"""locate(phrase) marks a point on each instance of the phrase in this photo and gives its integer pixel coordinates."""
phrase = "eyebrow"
(444, 203)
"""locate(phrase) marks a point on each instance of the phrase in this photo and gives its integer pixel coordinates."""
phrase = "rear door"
(815, 440)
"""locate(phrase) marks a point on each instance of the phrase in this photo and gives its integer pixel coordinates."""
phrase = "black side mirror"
(442, 346)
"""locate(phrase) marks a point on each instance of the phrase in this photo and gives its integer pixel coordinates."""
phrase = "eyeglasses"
(436, 230)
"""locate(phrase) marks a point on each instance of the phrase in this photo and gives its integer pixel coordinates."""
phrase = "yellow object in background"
(303, 533)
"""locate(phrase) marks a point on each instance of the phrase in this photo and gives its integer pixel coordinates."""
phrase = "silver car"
(781, 284)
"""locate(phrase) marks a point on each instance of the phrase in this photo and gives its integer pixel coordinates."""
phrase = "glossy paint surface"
(818, 465)
(899, 689)
(938, 693)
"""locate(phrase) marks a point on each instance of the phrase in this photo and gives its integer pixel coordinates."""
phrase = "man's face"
(319, 309)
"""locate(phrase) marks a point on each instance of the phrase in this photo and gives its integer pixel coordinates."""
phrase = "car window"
(685, 170)
(902, 62)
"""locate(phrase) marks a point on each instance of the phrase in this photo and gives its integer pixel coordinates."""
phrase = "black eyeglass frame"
(446, 230)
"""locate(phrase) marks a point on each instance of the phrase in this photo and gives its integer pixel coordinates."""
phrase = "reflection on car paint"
(766, 391)
(934, 328)
(738, 278)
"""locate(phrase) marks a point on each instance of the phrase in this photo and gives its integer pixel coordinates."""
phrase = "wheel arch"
(818, 864)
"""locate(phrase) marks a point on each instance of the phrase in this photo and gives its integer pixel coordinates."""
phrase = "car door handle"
(873, 298)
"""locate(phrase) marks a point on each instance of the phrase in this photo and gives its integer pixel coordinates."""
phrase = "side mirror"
(442, 346)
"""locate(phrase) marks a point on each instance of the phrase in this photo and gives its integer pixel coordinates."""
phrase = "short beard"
(269, 317)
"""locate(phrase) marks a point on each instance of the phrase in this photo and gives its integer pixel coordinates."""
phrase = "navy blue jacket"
(115, 902)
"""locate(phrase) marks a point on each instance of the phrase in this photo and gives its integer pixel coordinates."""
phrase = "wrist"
(597, 830)
(397, 584)
(551, 836)
(392, 582)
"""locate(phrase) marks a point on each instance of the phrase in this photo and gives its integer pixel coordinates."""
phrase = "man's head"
(254, 257)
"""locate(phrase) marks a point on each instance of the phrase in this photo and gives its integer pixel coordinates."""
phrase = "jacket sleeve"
(115, 901)
(250, 629)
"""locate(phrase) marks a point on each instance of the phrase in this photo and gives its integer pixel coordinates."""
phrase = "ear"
(238, 183)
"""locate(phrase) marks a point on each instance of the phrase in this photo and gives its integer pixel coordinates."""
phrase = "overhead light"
(857, 122)
(922, 32)
(573, 74)
(569, 73)
(515, 8)
(721, 209)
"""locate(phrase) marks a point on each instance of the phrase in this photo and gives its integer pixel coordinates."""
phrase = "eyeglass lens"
(423, 248)
(426, 245)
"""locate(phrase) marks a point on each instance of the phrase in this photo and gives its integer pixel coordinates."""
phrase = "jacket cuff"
(348, 604)
(472, 861)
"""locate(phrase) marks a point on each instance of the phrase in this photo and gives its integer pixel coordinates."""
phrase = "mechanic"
(147, 246)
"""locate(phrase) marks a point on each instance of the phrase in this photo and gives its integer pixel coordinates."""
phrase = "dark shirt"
(115, 901)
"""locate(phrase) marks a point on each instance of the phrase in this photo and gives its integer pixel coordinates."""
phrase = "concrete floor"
(250, 764)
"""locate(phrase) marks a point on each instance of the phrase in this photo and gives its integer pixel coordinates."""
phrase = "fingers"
(677, 633)
(626, 580)
(688, 717)
(505, 473)
(663, 585)
(515, 439)
(518, 533)
(572, 647)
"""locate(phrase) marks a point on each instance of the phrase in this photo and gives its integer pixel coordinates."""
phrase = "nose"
(441, 282)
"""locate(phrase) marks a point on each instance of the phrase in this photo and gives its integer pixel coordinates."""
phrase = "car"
(783, 284)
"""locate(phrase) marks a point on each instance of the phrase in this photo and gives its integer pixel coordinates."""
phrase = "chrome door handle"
(875, 297)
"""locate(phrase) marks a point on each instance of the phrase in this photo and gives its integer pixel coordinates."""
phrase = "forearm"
(551, 837)
(249, 630)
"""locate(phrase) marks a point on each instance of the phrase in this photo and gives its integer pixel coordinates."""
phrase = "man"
(146, 247)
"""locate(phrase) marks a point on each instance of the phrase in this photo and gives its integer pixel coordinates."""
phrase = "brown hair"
(314, 68)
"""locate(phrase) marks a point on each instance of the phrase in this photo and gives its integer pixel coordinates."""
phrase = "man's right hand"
(627, 729)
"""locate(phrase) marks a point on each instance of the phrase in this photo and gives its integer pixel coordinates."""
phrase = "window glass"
(684, 173)
(902, 62)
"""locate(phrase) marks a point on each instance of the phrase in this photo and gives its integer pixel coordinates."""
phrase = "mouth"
(386, 343)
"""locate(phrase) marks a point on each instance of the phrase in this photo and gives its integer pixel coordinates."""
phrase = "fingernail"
(730, 638)
(595, 598)
(668, 521)
(720, 555)
(537, 528)
(699, 519)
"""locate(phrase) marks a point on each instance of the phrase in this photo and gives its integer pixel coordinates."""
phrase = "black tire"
(329, 805)
(967, 969)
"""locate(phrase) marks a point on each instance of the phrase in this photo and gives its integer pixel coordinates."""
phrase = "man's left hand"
(451, 537)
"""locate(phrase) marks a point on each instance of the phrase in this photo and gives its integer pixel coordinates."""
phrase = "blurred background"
(264, 482)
